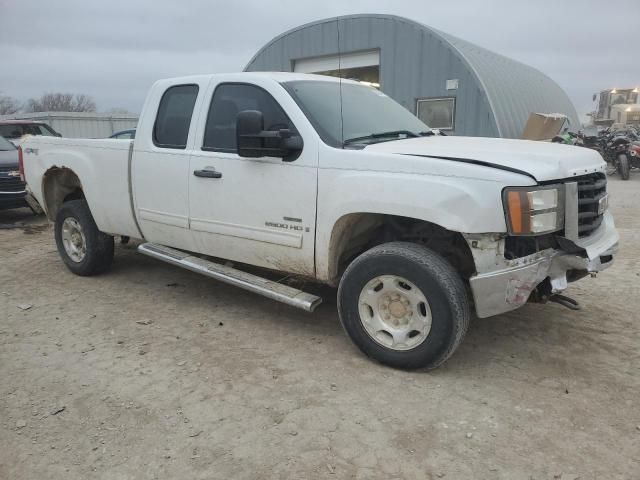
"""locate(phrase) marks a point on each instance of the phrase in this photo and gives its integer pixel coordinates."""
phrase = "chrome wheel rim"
(73, 239)
(394, 312)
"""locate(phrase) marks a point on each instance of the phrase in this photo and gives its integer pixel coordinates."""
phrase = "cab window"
(228, 100)
(174, 116)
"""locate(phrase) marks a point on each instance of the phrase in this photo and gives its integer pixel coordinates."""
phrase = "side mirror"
(254, 141)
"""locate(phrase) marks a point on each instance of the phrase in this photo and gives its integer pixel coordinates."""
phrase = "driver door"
(260, 211)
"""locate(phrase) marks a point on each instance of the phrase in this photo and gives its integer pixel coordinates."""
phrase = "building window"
(437, 112)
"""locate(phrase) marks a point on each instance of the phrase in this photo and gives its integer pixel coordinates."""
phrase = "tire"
(93, 252)
(623, 166)
(404, 265)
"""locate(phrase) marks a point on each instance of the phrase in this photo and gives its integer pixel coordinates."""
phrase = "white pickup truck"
(332, 181)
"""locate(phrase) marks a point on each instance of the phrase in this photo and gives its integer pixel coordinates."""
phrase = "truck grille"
(10, 183)
(591, 188)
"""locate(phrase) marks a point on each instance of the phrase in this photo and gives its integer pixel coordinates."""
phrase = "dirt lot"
(154, 372)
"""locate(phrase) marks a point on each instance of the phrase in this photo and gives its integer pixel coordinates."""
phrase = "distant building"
(81, 124)
(613, 106)
(449, 83)
(626, 114)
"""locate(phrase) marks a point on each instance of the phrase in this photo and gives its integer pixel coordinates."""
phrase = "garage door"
(363, 66)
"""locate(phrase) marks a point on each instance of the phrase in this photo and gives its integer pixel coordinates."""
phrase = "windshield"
(6, 145)
(368, 114)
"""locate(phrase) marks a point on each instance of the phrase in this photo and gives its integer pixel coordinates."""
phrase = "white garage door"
(370, 58)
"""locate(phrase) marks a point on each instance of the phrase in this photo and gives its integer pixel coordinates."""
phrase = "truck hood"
(542, 161)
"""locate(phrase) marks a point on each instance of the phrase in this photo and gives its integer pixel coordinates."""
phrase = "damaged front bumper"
(501, 285)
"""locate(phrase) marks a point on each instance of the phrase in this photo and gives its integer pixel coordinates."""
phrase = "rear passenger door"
(259, 211)
(161, 168)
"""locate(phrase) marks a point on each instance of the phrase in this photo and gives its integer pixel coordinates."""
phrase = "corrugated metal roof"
(515, 90)
(496, 94)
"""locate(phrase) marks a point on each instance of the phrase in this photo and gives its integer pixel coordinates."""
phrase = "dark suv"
(12, 188)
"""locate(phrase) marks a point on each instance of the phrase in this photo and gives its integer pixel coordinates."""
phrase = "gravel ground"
(154, 372)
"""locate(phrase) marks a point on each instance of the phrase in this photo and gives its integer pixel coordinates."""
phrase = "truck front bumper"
(501, 285)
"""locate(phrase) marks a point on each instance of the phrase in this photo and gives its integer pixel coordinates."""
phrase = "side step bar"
(253, 283)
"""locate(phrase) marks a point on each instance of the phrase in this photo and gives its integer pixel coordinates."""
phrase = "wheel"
(623, 166)
(84, 249)
(403, 305)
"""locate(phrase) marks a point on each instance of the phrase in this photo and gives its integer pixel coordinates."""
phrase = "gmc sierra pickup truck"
(333, 181)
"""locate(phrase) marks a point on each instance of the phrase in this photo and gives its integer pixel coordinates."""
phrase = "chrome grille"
(10, 183)
(591, 188)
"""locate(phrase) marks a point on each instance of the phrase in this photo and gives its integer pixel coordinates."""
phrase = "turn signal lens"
(518, 211)
(533, 211)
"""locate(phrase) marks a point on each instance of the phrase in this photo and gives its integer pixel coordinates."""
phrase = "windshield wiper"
(373, 136)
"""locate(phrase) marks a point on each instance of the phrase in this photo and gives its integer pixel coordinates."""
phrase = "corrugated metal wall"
(495, 94)
(81, 125)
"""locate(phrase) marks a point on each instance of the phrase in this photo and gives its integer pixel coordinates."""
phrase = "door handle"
(208, 172)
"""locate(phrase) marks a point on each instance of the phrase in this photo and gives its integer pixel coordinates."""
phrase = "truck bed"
(103, 167)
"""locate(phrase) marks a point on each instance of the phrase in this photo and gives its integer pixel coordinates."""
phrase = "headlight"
(533, 210)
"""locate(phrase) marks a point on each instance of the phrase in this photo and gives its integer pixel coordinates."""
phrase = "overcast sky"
(113, 50)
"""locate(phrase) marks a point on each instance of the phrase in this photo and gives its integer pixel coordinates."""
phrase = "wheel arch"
(59, 185)
(355, 233)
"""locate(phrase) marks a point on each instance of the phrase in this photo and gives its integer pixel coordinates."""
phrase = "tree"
(61, 102)
(8, 105)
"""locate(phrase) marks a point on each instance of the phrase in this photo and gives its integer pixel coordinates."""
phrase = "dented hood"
(543, 161)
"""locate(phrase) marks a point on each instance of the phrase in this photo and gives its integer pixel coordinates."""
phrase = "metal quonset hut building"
(448, 82)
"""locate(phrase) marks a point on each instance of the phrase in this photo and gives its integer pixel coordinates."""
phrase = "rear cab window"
(171, 128)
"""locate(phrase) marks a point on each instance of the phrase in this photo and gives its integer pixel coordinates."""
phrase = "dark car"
(125, 134)
(12, 188)
(16, 129)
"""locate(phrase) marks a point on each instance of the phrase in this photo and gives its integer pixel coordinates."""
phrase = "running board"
(253, 283)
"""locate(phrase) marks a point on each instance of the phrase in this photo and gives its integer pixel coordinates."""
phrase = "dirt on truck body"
(151, 371)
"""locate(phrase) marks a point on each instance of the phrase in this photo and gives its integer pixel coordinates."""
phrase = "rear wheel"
(404, 305)
(84, 249)
(623, 166)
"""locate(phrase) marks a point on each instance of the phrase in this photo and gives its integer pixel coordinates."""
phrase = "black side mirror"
(254, 141)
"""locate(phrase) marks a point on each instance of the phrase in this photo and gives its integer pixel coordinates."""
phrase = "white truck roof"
(250, 76)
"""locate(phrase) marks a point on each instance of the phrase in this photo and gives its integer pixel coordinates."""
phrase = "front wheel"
(84, 249)
(404, 305)
(623, 166)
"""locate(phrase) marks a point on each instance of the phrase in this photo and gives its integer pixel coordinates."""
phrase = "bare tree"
(8, 105)
(61, 102)
(84, 103)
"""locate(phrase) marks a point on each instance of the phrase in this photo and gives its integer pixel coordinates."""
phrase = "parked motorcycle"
(591, 140)
(633, 158)
(620, 148)
(568, 138)
(619, 145)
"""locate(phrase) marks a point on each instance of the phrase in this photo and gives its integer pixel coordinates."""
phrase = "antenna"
(340, 82)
